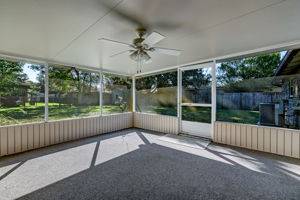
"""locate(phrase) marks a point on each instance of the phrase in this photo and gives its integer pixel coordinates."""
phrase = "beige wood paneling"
(30, 136)
(24, 138)
(273, 140)
(268, 139)
(280, 142)
(3, 141)
(288, 143)
(11, 140)
(47, 134)
(160, 123)
(19, 138)
(296, 144)
(243, 136)
(260, 138)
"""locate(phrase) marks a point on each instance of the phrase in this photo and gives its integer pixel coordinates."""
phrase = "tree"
(249, 68)
(112, 81)
(67, 80)
(157, 81)
(249, 74)
(11, 76)
(39, 86)
(195, 79)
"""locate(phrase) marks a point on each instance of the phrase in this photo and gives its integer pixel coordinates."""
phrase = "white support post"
(46, 92)
(213, 96)
(101, 93)
(179, 97)
(133, 94)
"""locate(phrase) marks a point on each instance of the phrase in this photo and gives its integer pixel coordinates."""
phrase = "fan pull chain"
(139, 65)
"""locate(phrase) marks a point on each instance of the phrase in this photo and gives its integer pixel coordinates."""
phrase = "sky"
(282, 54)
(32, 75)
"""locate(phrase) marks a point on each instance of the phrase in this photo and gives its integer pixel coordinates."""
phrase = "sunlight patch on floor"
(45, 170)
(5, 169)
(117, 146)
(289, 169)
(249, 164)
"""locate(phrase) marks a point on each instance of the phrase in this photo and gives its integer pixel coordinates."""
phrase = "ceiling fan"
(142, 45)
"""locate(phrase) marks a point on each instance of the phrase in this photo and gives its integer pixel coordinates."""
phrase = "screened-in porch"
(131, 100)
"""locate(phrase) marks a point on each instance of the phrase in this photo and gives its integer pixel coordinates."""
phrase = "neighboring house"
(288, 77)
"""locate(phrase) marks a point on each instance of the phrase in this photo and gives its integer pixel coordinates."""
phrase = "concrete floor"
(135, 164)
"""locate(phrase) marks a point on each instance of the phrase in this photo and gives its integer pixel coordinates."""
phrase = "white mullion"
(100, 93)
(46, 95)
(179, 97)
(133, 95)
(213, 96)
(197, 104)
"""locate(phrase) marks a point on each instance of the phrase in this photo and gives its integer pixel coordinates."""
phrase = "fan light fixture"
(140, 46)
(140, 56)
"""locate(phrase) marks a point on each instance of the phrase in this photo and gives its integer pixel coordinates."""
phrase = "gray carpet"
(135, 164)
(191, 142)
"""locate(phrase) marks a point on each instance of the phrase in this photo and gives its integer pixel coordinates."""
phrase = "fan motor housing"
(138, 41)
(140, 32)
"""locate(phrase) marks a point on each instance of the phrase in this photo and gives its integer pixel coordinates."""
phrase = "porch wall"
(155, 122)
(24, 137)
(268, 139)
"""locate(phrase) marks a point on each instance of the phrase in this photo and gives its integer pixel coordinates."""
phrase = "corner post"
(179, 97)
(46, 92)
(133, 95)
(101, 92)
(214, 97)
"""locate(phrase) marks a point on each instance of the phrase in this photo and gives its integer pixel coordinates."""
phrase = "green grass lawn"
(238, 116)
(35, 113)
(203, 114)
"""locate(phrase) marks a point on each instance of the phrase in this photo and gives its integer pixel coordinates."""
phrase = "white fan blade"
(171, 52)
(120, 53)
(148, 61)
(118, 42)
(153, 38)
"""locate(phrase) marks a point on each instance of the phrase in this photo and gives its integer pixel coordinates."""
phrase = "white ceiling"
(66, 31)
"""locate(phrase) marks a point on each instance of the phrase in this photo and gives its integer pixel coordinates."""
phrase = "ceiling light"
(140, 56)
